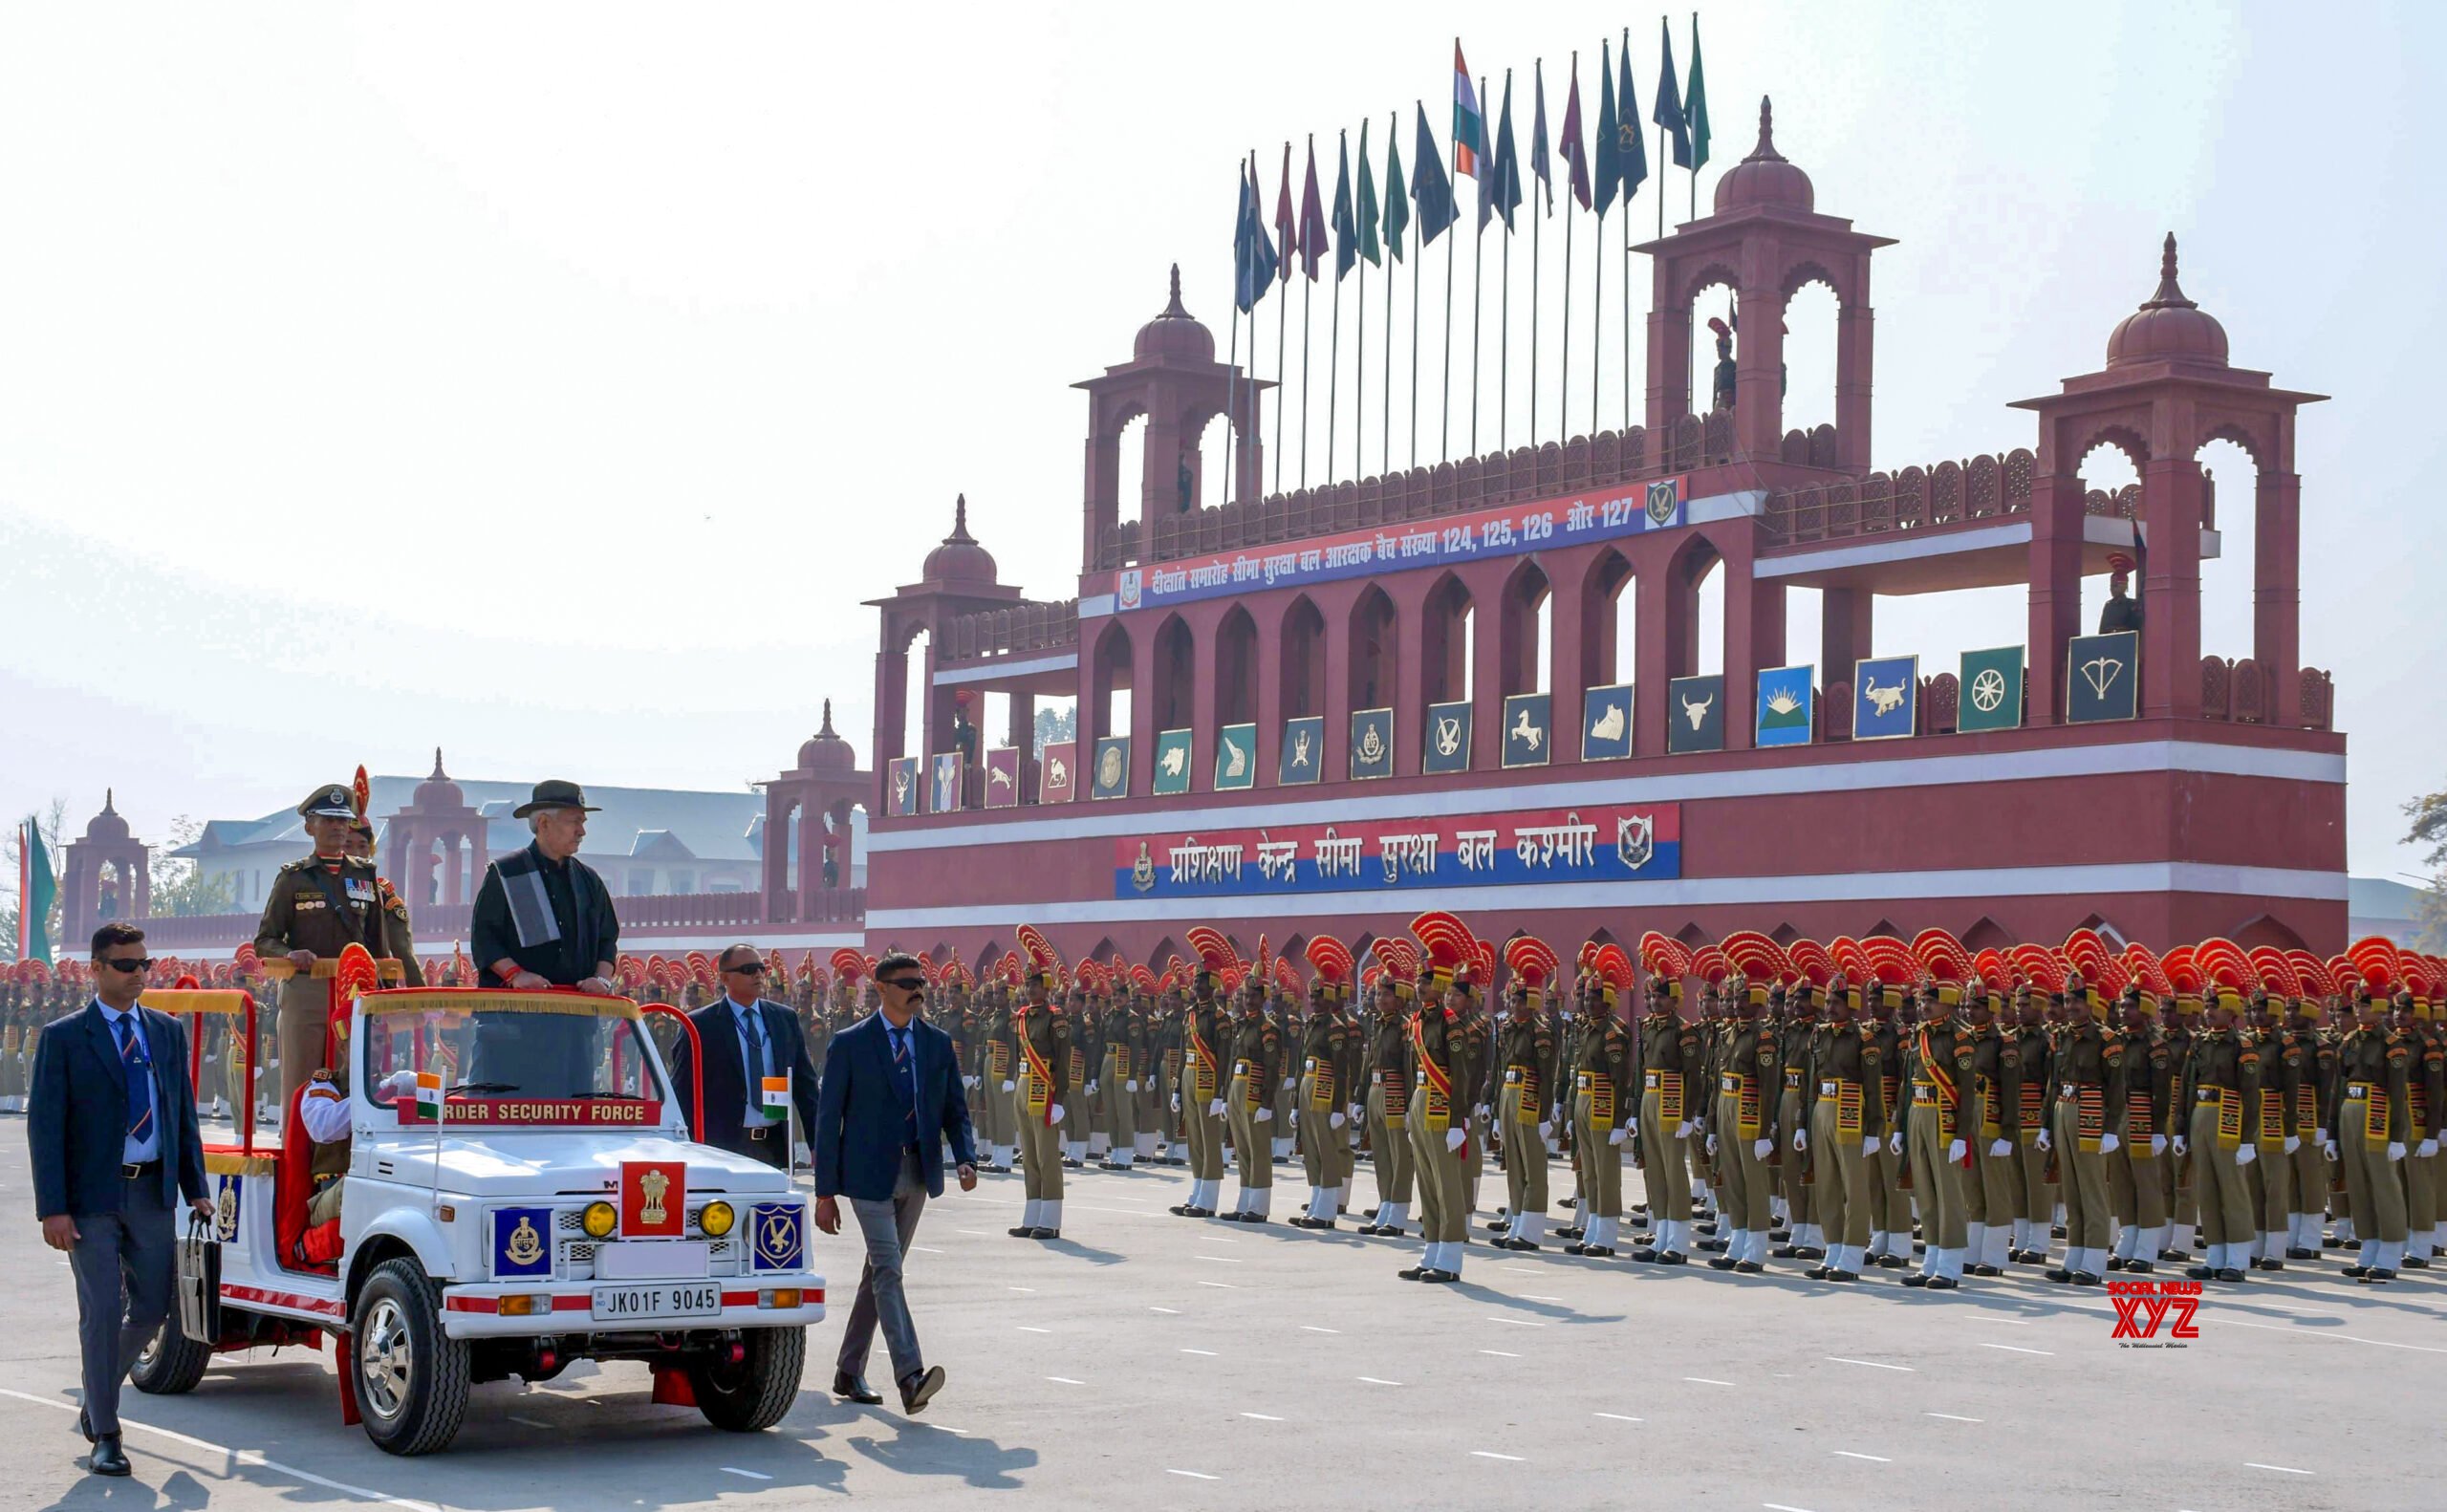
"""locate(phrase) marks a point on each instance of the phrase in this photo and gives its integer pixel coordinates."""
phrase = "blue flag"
(1610, 139)
(1346, 229)
(1431, 191)
(1669, 103)
(1508, 159)
(1634, 148)
(1253, 260)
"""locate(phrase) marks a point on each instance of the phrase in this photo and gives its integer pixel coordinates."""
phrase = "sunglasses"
(754, 968)
(142, 963)
(905, 984)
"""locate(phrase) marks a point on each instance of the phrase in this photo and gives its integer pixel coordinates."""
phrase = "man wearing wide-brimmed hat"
(543, 918)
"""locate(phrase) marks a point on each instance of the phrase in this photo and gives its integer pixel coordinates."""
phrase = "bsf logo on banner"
(2154, 1314)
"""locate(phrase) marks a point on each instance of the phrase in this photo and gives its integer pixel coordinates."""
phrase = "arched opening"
(1811, 311)
(1445, 631)
(913, 707)
(1301, 682)
(1711, 298)
(2110, 477)
(1132, 450)
(1215, 469)
(2106, 930)
(1694, 621)
(1109, 685)
(1372, 650)
(1523, 647)
(1236, 668)
(1056, 719)
(1609, 621)
(1175, 680)
(2229, 501)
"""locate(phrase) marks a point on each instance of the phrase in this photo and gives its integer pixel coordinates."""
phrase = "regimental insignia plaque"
(1695, 714)
(1172, 762)
(900, 786)
(1787, 704)
(1606, 722)
(1236, 757)
(1528, 729)
(946, 788)
(1447, 746)
(1303, 757)
(1002, 778)
(2103, 678)
(1371, 742)
(1886, 698)
(1056, 779)
(1110, 778)
(1992, 690)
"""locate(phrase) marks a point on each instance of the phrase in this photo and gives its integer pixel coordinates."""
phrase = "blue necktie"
(140, 1080)
(754, 1019)
(906, 1073)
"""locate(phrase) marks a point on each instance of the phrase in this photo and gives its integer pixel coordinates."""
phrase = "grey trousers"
(126, 1265)
(887, 1225)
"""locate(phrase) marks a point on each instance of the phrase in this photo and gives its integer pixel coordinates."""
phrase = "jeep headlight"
(716, 1219)
(600, 1220)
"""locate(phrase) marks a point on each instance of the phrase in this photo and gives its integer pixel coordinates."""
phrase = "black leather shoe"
(2411, 1262)
(2083, 1278)
(1412, 1273)
(1576, 1231)
(85, 1425)
(919, 1388)
(1599, 1251)
(1673, 1257)
(1721, 1262)
(1647, 1255)
(2356, 1272)
(2273, 1265)
(2199, 1273)
(1784, 1251)
(2298, 1252)
(2331, 1242)
(1942, 1284)
(1748, 1267)
(1841, 1275)
(1439, 1277)
(1571, 1201)
(1197, 1212)
(2377, 1275)
(2116, 1262)
(2230, 1273)
(2061, 1277)
(1816, 1272)
(1890, 1262)
(1808, 1252)
(1918, 1278)
(1713, 1246)
(2056, 1232)
(1983, 1270)
(851, 1388)
(1024, 1231)
(1370, 1228)
(1045, 1233)
(108, 1458)
(2138, 1268)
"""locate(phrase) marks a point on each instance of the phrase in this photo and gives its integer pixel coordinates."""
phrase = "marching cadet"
(1000, 1075)
(1520, 1085)
(1438, 1116)
(1890, 1198)
(1796, 1020)
(1672, 1065)
(2425, 1089)
(1330, 1057)
(1166, 1112)
(1602, 1100)
(1080, 1134)
(1257, 1065)
(2178, 1175)
(1992, 1197)
(1125, 1055)
(1847, 1129)
(2089, 1072)
(1206, 1027)
(1474, 1044)
(1700, 1152)
(2136, 1187)
(2218, 1070)
(2035, 1194)
(2312, 1171)
(1389, 1086)
(317, 907)
(2270, 1116)
(1148, 1117)
(1283, 1012)
(1743, 1129)
(1043, 1037)
(1939, 1061)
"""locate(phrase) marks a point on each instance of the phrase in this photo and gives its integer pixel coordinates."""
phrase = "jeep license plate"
(653, 1304)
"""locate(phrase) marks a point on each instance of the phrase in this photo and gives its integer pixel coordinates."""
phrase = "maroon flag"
(1286, 229)
(1312, 219)
(1575, 150)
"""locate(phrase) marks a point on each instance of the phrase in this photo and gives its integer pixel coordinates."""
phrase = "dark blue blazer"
(726, 1071)
(861, 1116)
(76, 1115)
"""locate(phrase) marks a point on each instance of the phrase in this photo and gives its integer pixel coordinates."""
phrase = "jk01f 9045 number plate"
(653, 1304)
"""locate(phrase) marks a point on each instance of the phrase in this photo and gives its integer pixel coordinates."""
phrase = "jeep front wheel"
(411, 1380)
(755, 1392)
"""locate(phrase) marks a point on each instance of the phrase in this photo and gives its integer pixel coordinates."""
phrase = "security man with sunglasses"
(757, 1067)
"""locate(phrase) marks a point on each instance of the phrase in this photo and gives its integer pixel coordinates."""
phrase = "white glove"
(1868, 1146)
(1545, 1129)
(2320, 1136)
(968, 1081)
(2426, 1149)
(1682, 1130)
(1356, 1113)
(1215, 1109)
(2182, 1145)
(1801, 1140)
(396, 1086)
(1263, 1115)
(1130, 1086)
(1333, 1120)
(2158, 1144)
(1616, 1136)
(2245, 1154)
(1054, 1114)
(1092, 1089)
(1009, 1086)
(1633, 1125)
(1480, 1112)
(1894, 1142)
(1177, 1102)
(2328, 1148)
(2046, 1143)
(1955, 1149)
(1762, 1149)
(2293, 1142)
(1453, 1138)
(2395, 1150)
(2109, 1144)
(1291, 1081)
(1999, 1149)
(1712, 1144)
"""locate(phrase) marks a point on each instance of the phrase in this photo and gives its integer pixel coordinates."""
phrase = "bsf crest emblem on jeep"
(1635, 840)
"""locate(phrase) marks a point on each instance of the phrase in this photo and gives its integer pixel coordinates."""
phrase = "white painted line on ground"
(1531, 1296)
(941, 1428)
(752, 1475)
(1620, 1417)
(1024, 1289)
(1374, 1381)
(1263, 1418)
(1501, 1354)
(1194, 1475)
(1702, 1380)
(2013, 1323)
(1954, 1418)
(530, 1422)
(1024, 1328)
(926, 1250)
(1874, 1365)
(2288, 1470)
(1878, 1459)
(1223, 1260)
(1526, 1270)
(1490, 1454)
(1064, 1380)
(1216, 1238)
(1311, 1327)
(1220, 1286)
(973, 1233)
(1170, 1312)
(1778, 1506)
(1518, 1323)
(243, 1456)
(2315, 1333)
(2015, 1348)
(1209, 1353)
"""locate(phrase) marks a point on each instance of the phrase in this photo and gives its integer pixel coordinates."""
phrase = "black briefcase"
(200, 1281)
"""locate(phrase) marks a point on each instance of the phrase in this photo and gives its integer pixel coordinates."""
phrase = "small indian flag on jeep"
(430, 1095)
(777, 1104)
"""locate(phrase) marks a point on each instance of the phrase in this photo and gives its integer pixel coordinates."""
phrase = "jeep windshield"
(518, 1058)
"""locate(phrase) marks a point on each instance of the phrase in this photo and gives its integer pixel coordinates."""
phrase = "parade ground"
(1146, 1361)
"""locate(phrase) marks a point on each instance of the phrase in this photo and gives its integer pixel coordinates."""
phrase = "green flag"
(1397, 204)
(1369, 209)
(1695, 103)
(36, 889)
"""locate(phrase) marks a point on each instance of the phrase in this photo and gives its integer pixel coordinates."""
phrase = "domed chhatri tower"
(434, 850)
(959, 580)
(819, 793)
(106, 853)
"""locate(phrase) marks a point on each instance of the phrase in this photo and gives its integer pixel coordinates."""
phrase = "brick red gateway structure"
(1335, 713)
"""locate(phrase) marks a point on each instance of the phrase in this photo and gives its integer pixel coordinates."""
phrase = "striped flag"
(430, 1095)
(1469, 124)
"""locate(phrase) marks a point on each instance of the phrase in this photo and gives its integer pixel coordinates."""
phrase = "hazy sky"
(551, 382)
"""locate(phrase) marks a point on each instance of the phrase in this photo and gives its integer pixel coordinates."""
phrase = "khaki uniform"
(1521, 1090)
(2036, 1186)
(1848, 1117)
(1329, 1074)
(2136, 1183)
(1434, 1061)
(1603, 1075)
(2217, 1077)
(1796, 1101)
(1041, 1037)
(1387, 1112)
(1672, 1067)
(1890, 1198)
(1743, 1119)
(1257, 1067)
(1992, 1119)
(2425, 1175)
(325, 905)
(2369, 1114)
(2087, 1072)
(1937, 1060)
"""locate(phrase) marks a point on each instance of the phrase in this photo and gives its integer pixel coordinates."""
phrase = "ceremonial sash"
(1037, 1090)
(1253, 1087)
(997, 1059)
(2272, 1119)
(2417, 1108)
(1743, 1089)
(1079, 1066)
(1437, 1108)
(2140, 1117)
(2230, 1115)
(1668, 1087)
(1599, 1090)
(1524, 1080)
(1321, 1082)
(2375, 1114)
(1396, 1093)
(2307, 1106)
(2034, 1109)
(1991, 1111)
(1204, 1067)
(1949, 1096)
(1116, 1062)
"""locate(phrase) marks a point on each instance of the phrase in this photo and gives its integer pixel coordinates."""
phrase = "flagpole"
(1385, 428)
(1308, 291)
(1503, 326)
(1597, 323)
(1563, 406)
(1536, 241)
(1232, 441)
(1359, 375)
(1452, 251)
(1281, 339)
(1627, 308)
(1334, 375)
(1478, 278)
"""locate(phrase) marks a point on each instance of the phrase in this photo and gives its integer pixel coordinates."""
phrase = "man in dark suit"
(748, 1040)
(891, 1096)
(113, 1135)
